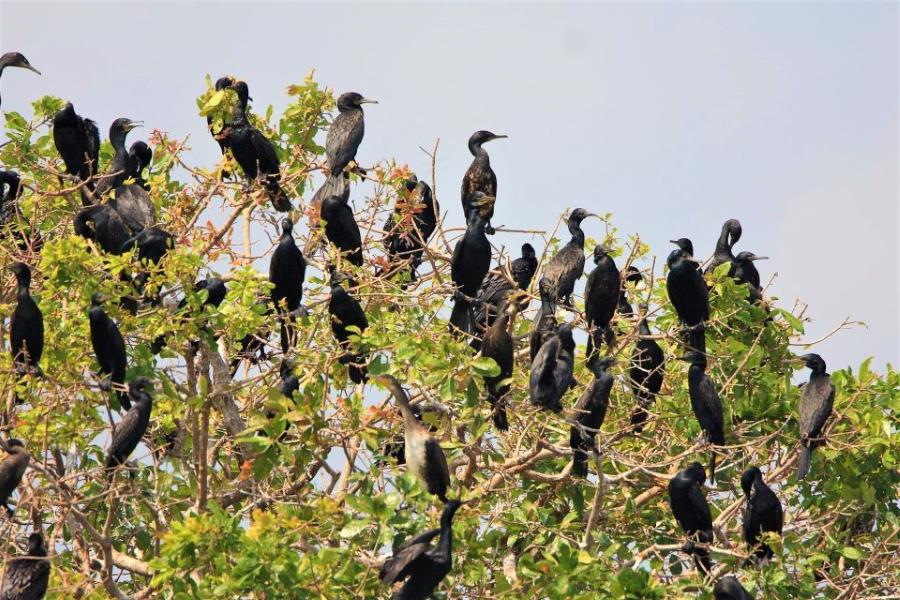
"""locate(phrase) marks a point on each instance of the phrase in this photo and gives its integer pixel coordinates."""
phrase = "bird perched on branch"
(691, 510)
(496, 288)
(762, 512)
(9, 197)
(743, 269)
(26, 330)
(123, 165)
(729, 588)
(26, 578)
(12, 469)
(590, 412)
(221, 137)
(470, 263)
(645, 375)
(707, 406)
(423, 453)
(109, 348)
(15, 59)
(141, 156)
(731, 233)
(689, 296)
(544, 325)
(346, 132)
(479, 176)
(341, 228)
(498, 344)
(346, 312)
(78, 142)
(602, 294)
(103, 224)
(422, 565)
(567, 265)
(552, 368)
(816, 405)
(410, 225)
(287, 272)
(133, 426)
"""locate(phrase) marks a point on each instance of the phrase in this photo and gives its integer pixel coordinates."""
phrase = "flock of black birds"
(119, 216)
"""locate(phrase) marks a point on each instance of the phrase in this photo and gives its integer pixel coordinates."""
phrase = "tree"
(240, 492)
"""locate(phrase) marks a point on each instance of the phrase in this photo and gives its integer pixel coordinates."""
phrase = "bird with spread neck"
(731, 233)
(424, 455)
(122, 166)
(287, 272)
(602, 293)
(12, 469)
(479, 176)
(567, 265)
(552, 370)
(346, 132)
(470, 263)
(589, 414)
(129, 431)
(816, 404)
(692, 512)
(26, 330)
(15, 59)
(422, 565)
(109, 348)
(762, 512)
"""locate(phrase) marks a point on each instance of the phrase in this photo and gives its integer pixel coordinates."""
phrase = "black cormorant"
(602, 293)
(479, 176)
(255, 153)
(421, 564)
(122, 166)
(15, 59)
(552, 368)
(685, 244)
(12, 469)
(346, 132)
(762, 512)
(152, 244)
(590, 412)
(341, 228)
(729, 588)
(470, 263)
(334, 185)
(346, 312)
(645, 375)
(26, 578)
(692, 512)
(109, 348)
(26, 329)
(631, 275)
(134, 206)
(131, 428)
(424, 456)
(78, 142)
(498, 344)
(707, 406)
(9, 197)
(289, 382)
(689, 296)
(287, 272)
(816, 404)
(568, 264)
(496, 288)
(222, 83)
(743, 269)
(103, 224)
(731, 233)
(544, 325)
(141, 156)
(410, 225)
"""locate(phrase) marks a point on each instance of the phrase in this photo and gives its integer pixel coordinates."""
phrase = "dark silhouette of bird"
(287, 272)
(141, 156)
(26, 578)
(341, 228)
(346, 132)
(498, 344)
(152, 244)
(602, 293)
(289, 382)
(544, 325)
(26, 330)
(816, 405)
(685, 244)
(479, 176)
(422, 565)
(255, 153)
(707, 406)
(346, 312)
(109, 348)
(689, 296)
(744, 271)
(12, 469)
(567, 265)
(129, 431)
(78, 142)
(410, 225)
(645, 375)
(470, 263)
(692, 512)
(424, 456)
(631, 275)
(552, 368)
(731, 233)
(134, 206)
(729, 588)
(762, 512)
(334, 185)
(589, 414)
(15, 59)
(103, 224)
(122, 166)
(221, 137)
(9, 197)
(497, 287)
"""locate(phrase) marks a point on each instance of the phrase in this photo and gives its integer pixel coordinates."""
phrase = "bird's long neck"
(24, 283)
(479, 153)
(475, 224)
(117, 139)
(643, 328)
(724, 244)
(445, 544)
(409, 417)
(577, 234)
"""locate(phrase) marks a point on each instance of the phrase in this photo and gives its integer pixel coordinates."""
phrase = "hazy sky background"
(672, 116)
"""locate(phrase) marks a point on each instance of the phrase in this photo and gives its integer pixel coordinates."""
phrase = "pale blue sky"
(672, 116)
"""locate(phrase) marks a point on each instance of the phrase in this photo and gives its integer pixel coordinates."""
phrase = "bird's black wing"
(713, 419)
(399, 565)
(92, 136)
(26, 579)
(348, 224)
(135, 207)
(343, 139)
(434, 456)
(700, 508)
(125, 439)
(265, 153)
(816, 405)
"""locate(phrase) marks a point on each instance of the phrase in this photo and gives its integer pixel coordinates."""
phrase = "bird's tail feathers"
(804, 462)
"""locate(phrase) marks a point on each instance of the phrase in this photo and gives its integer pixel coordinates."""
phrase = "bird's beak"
(30, 68)
(759, 258)
(499, 137)
(368, 101)
(673, 242)
(134, 125)
(592, 215)
(249, 97)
